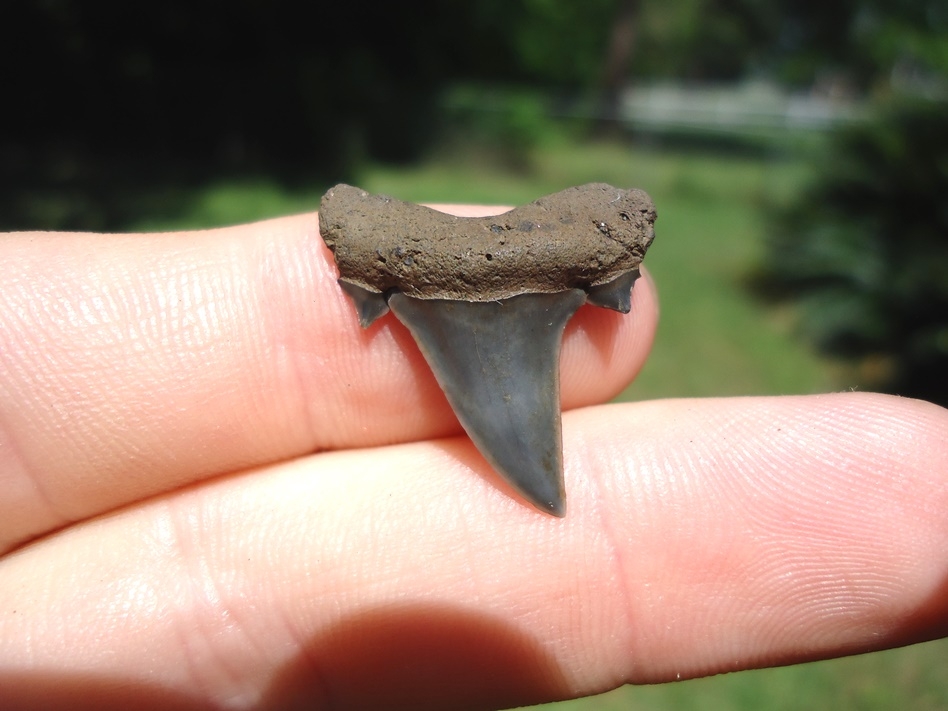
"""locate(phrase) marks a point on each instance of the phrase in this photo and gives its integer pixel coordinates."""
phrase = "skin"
(218, 491)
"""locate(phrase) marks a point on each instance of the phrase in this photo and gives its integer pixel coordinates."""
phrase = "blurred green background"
(797, 153)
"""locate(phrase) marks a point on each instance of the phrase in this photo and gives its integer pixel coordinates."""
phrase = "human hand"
(170, 538)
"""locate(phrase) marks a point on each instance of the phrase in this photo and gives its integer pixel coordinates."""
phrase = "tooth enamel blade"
(498, 364)
(369, 305)
(616, 294)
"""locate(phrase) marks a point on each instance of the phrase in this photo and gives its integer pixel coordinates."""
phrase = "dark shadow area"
(421, 656)
(410, 656)
(929, 622)
(113, 111)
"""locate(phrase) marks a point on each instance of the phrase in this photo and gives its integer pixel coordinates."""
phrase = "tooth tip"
(556, 508)
(543, 489)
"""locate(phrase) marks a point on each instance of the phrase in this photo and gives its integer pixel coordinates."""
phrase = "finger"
(131, 365)
(702, 536)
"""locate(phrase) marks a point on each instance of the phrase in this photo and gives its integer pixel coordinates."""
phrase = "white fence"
(734, 108)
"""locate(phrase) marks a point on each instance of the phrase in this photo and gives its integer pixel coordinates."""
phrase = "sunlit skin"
(218, 491)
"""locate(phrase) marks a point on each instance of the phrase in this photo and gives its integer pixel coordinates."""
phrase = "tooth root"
(370, 305)
(498, 364)
(616, 294)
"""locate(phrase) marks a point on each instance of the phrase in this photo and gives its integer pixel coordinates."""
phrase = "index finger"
(136, 364)
(704, 536)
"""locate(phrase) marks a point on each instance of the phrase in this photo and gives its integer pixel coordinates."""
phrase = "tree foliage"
(862, 40)
(865, 250)
(101, 97)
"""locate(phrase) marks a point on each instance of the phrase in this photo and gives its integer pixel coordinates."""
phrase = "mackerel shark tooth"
(487, 300)
(498, 364)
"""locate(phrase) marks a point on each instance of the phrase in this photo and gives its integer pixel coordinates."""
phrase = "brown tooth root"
(579, 238)
(486, 300)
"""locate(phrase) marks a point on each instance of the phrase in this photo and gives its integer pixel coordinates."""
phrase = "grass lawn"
(911, 678)
(713, 340)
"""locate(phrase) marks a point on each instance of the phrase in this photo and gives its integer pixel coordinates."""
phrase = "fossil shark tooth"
(487, 299)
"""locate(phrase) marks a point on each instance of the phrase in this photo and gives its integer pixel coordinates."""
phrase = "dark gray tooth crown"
(498, 364)
(487, 299)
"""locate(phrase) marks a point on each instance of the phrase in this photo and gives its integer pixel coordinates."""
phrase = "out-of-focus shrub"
(502, 123)
(864, 251)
